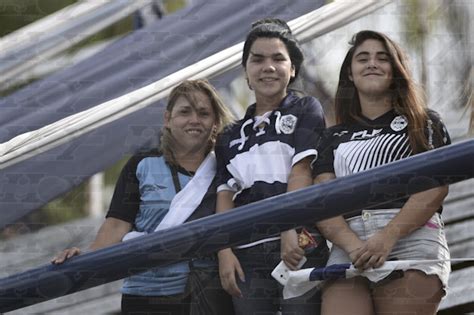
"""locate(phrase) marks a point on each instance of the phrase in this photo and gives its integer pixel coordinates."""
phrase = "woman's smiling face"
(191, 123)
(269, 68)
(371, 68)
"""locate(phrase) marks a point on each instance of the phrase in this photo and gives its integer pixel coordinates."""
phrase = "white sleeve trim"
(229, 186)
(314, 160)
(298, 157)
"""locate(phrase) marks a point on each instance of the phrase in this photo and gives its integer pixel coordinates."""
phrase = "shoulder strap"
(174, 174)
(188, 199)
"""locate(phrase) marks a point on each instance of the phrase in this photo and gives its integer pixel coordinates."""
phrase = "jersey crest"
(399, 123)
(288, 124)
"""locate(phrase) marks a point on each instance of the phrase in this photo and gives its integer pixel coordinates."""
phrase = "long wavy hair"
(407, 97)
(188, 90)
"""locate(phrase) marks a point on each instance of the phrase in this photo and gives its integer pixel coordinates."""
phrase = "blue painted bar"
(446, 165)
(336, 271)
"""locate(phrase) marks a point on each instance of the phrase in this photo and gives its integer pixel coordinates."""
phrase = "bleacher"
(458, 215)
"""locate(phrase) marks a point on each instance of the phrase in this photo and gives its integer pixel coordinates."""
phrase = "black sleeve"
(324, 162)
(310, 125)
(126, 198)
(221, 149)
(438, 135)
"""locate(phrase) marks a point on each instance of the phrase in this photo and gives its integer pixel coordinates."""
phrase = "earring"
(214, 132)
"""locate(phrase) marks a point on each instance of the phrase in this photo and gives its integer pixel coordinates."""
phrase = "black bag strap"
(174, 174)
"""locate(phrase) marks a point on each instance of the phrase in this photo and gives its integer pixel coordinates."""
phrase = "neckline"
(184, 171)
(378, 118)
(286, 101)
(179, 169)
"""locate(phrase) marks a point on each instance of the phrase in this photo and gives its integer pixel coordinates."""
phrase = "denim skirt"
(426, 242)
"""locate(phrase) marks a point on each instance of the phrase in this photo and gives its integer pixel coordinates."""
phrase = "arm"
(311, 123)
(300, 177)
(123, 210)
(111, 232)
(229, 265)
(336, 229)
(418, 209)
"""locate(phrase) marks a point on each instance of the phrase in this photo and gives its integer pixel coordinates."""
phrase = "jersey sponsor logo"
(399, 123)
(364, 134)
(153, 187)
(288, 124)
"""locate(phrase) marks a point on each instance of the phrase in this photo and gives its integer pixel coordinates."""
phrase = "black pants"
(262, 294)
(206, 292)
(204, 295)
(155, 305)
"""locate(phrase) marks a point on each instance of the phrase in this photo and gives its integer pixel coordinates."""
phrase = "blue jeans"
(262, 294)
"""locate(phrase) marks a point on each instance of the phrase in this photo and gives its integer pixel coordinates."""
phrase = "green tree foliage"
(15, 14)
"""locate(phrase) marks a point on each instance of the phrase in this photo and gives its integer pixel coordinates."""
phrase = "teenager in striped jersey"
(382, 117)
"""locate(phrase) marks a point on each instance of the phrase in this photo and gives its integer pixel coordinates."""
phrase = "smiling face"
(371, 69)
(269, 68)
(191, 124)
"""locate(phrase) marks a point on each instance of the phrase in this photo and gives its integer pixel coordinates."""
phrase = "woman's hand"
(229, 265)
(291, 253)
(353, 247)
(110, 232)
(65, 255)
(374, 251)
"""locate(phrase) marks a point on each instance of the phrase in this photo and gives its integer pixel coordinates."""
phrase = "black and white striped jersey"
(256, 154)
(351, 148)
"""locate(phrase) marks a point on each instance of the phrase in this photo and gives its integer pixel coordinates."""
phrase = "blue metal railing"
(442, 166)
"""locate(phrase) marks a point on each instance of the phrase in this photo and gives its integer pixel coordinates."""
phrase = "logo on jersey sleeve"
(399, 123)
(340, 134)
(288, 124)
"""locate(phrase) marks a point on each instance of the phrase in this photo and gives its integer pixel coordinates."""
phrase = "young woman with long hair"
(382, 117)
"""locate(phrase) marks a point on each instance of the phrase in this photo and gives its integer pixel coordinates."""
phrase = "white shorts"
(426, 242)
